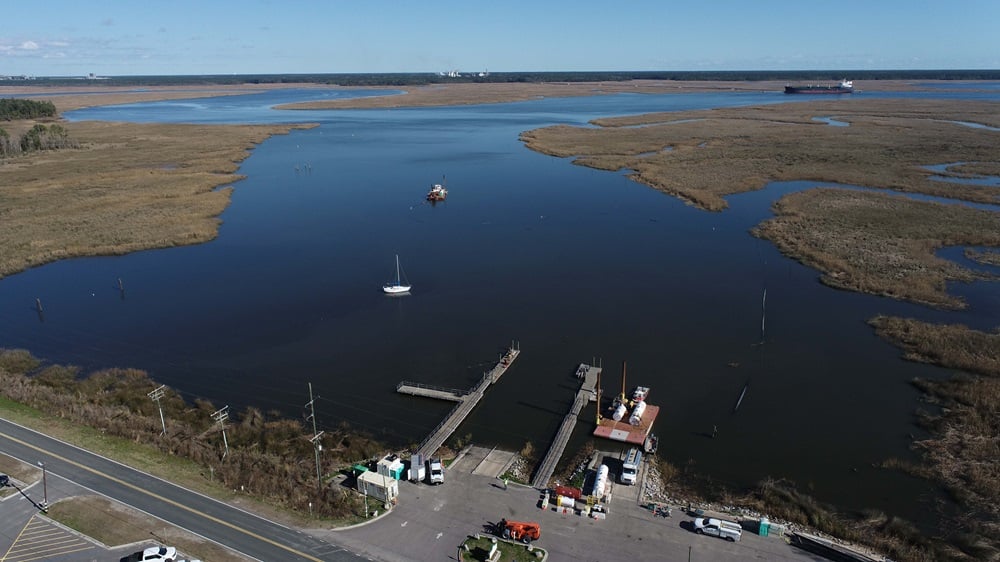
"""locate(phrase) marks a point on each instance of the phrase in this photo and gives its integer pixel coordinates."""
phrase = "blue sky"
(111, 37)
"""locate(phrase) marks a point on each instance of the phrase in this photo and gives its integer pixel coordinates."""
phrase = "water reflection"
(573, 262)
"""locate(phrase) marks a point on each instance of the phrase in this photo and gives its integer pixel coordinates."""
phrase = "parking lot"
(430, 522)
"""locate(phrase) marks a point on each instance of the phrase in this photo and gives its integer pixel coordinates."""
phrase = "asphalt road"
(220, 522)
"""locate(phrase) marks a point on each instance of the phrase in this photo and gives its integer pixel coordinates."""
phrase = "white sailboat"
(396, 286)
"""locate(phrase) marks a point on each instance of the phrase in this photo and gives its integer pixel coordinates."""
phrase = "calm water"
(572, 262)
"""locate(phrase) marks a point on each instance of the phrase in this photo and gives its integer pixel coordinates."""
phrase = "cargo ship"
(845, 87)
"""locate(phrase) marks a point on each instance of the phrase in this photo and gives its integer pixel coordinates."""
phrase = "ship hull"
(817, 90)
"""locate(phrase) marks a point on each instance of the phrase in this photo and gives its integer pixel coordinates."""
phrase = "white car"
(164, 553)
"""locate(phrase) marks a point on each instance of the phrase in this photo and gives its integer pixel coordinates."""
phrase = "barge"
(633, 428)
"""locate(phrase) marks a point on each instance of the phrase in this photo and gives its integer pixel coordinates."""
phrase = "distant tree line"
(39, 137)
(14, 108)
(421, 78)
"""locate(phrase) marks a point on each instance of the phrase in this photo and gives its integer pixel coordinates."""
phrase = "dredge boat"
(438, 192)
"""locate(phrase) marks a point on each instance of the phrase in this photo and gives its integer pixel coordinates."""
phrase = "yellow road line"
(163, 499)
(16, 539)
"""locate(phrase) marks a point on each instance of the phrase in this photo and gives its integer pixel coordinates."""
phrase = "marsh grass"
(505, 92)
(963, 450)
(984, 257)
(880, 244)
(731, 150)
(129, 187)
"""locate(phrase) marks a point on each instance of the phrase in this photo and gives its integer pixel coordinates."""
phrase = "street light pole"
(45, 486)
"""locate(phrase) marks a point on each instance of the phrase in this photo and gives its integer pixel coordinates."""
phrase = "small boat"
(650, 444)
(438, 192)
(396, 286)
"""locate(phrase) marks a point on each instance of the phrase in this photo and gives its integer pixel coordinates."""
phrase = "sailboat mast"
(398, 281)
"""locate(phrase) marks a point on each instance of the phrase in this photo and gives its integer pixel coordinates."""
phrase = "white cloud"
(29, 46)
(59, 43)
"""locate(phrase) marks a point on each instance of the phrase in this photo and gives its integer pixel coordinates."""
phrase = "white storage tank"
(566, 501)
(600, 481)
(619, 412)
(637, 413)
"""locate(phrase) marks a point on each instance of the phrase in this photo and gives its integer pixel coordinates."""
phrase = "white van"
(630, 466)
(717, 527)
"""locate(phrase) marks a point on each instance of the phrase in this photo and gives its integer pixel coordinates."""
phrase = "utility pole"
(156, 395)
(317, 445)
(221, 416)
(45, 487)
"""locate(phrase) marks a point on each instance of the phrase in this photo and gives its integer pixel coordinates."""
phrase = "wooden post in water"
(38, 304)
(121, 286)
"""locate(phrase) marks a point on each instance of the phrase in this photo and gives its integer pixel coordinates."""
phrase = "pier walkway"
(588, 376)
(466, 403)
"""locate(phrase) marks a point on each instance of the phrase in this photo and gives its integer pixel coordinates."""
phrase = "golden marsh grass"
(702, 156)
(879, 244)
(129, 187)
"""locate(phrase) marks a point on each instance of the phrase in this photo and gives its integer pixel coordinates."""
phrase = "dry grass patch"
(720, 152)
(879, 244)
(17, 470)
(114, 524)
(130, 187)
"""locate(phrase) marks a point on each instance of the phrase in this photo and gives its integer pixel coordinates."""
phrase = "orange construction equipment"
(519, 530)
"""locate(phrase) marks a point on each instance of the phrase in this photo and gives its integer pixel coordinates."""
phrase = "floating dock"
(466, 402)
(430, 391)
(588, 375)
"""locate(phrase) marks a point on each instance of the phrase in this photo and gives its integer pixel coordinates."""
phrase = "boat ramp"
(588, 375)
(467, 400)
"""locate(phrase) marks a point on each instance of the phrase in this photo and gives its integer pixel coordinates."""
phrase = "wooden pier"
(588, 376)
(466, 402)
